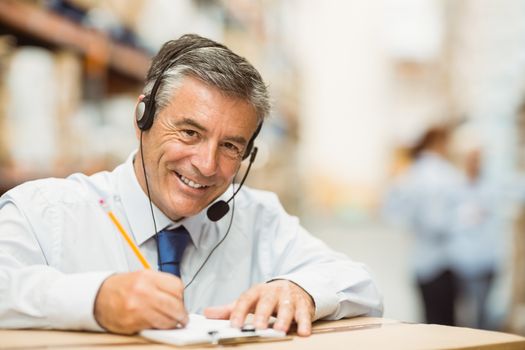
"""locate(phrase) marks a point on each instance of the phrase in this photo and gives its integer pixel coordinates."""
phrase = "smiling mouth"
(190, 183)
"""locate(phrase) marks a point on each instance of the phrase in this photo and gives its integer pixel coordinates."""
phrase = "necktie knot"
(171, 245)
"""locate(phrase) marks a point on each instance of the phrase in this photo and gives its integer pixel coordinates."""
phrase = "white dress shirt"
(57, 245)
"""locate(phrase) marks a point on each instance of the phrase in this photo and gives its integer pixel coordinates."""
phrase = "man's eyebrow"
(238, 139)
(188, 121)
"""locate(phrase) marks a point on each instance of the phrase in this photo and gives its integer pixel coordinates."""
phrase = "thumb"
(221, 312)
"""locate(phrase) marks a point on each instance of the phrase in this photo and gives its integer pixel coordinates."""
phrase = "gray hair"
(212, 63)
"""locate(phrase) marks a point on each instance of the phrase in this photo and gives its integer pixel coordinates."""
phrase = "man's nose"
(206, 159)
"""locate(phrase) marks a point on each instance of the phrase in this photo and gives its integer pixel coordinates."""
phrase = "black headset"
(146, 109)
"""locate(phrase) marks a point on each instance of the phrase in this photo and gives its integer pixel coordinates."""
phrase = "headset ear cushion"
(139, 112)
(144, 113)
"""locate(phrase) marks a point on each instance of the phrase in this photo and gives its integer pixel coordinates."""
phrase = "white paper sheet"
(201, 330)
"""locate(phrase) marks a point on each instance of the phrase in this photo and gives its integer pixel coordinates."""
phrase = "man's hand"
(129, 302)
(280, 297)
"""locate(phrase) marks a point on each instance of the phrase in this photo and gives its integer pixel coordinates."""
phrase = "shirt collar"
(137, 205)
(137, 208)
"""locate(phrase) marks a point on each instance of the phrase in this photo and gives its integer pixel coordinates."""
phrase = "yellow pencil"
(124, 234)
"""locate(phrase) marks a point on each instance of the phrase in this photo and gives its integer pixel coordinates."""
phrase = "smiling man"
(194, 148)
(64, 265)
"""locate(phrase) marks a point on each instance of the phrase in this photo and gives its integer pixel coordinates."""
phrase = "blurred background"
(355, 84)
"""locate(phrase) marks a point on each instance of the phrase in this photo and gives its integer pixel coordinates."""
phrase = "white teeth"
(190, 182)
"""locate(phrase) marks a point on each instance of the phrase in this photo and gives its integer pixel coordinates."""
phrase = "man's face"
(194, 148)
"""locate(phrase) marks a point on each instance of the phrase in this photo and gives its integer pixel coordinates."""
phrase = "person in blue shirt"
(476, 249)
(425, 199)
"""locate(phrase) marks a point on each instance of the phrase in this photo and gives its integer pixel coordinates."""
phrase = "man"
(64, 265)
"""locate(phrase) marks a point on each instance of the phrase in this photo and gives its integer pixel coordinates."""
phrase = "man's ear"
(137, 129)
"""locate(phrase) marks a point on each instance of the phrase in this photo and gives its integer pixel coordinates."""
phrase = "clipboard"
(203, 331)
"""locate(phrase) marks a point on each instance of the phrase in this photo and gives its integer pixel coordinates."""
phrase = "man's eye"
(231, 149)
(189, 136)
(189, 133)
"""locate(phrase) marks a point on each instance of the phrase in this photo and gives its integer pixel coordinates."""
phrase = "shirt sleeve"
(339, 286)
(34, 294)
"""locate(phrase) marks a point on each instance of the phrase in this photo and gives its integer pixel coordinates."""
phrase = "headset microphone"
(218, 209)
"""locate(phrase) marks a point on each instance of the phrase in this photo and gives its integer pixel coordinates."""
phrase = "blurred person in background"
(425, 198)
(63, 264)
(476, 249)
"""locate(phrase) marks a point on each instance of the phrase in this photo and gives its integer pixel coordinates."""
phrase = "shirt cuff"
(70, 300)
(325, 303)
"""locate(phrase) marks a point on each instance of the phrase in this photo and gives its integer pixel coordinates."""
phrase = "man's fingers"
(287, 299)
(129, 302)
(169, 284)
(222, 312)
(159, 320)
(265, 308)
(285, 315)
(303, 318)
(243, 306)
(171, 307)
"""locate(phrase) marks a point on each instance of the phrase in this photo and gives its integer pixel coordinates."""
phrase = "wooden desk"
(357, 333)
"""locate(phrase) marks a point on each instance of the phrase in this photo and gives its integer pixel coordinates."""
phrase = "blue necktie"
(171, 244)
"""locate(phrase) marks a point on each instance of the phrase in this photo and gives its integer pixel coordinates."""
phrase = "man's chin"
(187, 212)
(186, 207)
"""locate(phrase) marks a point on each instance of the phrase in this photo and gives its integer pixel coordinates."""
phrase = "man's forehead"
(199, 97)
